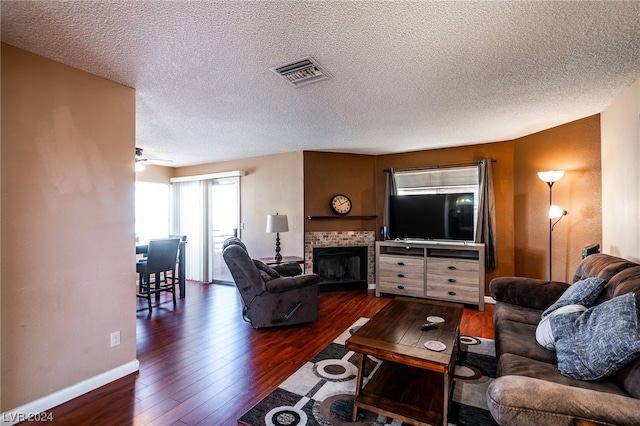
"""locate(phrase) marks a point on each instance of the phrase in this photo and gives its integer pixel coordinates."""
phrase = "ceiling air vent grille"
(301, 72)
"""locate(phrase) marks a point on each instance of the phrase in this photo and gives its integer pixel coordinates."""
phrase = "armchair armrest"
(288, 269)
(519, 400)
(528, 292)
(282, 284)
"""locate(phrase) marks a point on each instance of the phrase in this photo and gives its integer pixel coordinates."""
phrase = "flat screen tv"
(433, 216)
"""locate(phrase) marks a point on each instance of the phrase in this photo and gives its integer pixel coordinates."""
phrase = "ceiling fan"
(142, 161)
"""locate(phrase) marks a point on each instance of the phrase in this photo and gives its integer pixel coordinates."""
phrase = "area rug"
(321, 391)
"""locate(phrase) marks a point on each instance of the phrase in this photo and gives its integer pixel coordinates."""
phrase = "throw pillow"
(584, 292)
(544, 335)
(596, 343)
(266, 268)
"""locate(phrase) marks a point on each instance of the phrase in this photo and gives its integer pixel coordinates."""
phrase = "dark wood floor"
(201, 364)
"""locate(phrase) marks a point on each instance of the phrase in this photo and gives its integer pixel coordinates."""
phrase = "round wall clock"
(340, 204)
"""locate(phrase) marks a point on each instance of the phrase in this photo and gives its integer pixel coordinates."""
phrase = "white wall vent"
(301, 72)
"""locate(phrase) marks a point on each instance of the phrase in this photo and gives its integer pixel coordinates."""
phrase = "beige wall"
(272, 184)
(67, 227)
(575, 148)
(158, 174)
(620, 175)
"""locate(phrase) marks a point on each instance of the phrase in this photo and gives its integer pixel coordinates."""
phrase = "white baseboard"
(39, 407)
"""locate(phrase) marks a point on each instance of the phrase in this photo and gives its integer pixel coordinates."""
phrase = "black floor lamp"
(555, 212)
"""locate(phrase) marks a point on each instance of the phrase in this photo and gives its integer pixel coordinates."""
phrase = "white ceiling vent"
(301, 72)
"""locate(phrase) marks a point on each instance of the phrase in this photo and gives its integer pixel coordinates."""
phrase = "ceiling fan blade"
(141, 159)
(157, 161)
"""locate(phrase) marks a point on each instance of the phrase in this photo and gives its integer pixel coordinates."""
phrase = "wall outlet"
(115, 338)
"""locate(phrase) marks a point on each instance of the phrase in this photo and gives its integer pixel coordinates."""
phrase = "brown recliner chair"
(272, 296)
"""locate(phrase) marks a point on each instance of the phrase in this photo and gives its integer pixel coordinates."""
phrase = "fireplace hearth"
(341, 268)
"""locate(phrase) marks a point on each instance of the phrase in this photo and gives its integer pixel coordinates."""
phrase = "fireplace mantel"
(341, 217)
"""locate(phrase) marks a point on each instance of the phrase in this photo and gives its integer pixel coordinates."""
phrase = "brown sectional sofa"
(530, 390)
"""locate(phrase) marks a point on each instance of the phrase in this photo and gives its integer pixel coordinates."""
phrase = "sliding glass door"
(207, 211)
(225, 219)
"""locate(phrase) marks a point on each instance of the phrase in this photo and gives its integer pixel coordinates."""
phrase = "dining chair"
(157, 272)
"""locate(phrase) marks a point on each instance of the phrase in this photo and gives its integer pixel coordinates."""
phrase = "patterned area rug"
(321, 391)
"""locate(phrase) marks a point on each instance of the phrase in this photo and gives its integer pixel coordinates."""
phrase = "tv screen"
(432, 216)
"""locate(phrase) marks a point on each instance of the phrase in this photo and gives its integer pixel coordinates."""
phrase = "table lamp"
(277, 223)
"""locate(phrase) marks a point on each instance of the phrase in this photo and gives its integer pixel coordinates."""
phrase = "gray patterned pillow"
(584, 292)
(596, 343)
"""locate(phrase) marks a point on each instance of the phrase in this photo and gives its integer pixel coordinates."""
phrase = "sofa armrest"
(519, 400)
(529, 292)
(282, 284)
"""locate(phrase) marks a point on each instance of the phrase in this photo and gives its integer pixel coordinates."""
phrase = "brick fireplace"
(341, 239)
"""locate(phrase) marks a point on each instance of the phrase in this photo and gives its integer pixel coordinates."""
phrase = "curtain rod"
(441, 166)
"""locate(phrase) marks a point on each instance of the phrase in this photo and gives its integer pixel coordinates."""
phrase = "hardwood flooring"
(201, 364)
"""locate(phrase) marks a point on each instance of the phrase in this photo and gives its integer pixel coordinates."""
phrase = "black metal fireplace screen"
(341, 268)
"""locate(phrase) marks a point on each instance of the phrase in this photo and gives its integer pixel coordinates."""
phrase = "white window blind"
(437, 181)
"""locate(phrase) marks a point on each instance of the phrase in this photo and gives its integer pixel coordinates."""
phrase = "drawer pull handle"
(401, 263)
(451, 280)
(401, 287)
(400, 275)
(451, 293)
(453, 268)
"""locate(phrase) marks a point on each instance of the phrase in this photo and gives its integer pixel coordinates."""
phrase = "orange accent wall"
(503, 172)
(522, 199)
(327, 174)
(575, 148)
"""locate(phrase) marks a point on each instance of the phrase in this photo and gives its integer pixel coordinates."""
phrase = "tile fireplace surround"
(341, 239)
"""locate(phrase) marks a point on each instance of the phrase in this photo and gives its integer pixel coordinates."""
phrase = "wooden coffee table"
(413, 384)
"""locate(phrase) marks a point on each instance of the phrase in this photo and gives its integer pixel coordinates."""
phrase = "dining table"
(143, 248)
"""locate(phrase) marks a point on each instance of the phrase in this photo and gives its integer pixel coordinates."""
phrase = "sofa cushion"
(511, 364)
(629, 378)
(507, 311)
(520, 339)
(584, 292)
(596, 343)
(602, 266)
(525, 401)
(622, 283)
(526, 292)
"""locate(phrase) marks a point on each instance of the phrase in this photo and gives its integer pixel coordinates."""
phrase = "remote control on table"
(428, 326)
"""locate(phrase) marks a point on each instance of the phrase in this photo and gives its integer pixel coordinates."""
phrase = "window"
(152, 210)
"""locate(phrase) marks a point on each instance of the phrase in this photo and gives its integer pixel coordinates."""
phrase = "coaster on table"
(436, 320)
(434, 345)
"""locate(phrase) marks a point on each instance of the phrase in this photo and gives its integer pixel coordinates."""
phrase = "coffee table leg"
(445, 401)
(359, 381)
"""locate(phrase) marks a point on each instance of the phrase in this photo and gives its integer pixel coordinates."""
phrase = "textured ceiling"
(406, 75)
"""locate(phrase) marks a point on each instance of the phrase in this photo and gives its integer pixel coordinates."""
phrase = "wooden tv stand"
(451, 271)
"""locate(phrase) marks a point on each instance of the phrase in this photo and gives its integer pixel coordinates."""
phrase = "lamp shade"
(551, 176)
(277, 223)
(556, 212)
